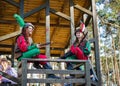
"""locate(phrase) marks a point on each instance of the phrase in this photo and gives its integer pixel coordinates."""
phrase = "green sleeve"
(32, 46)
(87, 48)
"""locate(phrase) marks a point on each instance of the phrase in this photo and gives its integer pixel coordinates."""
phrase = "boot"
(70, 67)
(69, 53)
(36, 65)
(48, 66)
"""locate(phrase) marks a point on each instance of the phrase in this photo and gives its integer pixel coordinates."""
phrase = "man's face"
(79, 35)
(4, 64)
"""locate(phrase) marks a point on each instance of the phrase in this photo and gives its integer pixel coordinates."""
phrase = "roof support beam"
(9, 35)
(8, 22)
(35, 10)
(47, 13)
(5, 46)
(22, 8)
(83, 9)
(72, 25)
(41, 24)
(64, 6)
(96, 43)
(12, 3)
(87, 20)
(60, 14)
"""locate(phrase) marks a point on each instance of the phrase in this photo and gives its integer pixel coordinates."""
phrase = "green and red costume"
(28, 50)
(81, 51)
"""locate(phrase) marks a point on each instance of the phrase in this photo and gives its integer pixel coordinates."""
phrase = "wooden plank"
(50, 80)
(9, 35)
(12, 3)
(5, 46)
(34, 10)
(83, 9)
(60, 14)
(55, 60)
(87, 76)
(48, 71)
(41, 23)
(63, 7)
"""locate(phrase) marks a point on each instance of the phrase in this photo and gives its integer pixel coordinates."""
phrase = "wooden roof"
(59, 26)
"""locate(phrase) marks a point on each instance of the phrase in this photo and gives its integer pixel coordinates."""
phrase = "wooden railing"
(86, 81)
(14, 79)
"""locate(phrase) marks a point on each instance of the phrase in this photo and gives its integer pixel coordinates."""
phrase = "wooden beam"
(41, 24)
(12, 3)
(60, 14)
(83, 9)
(72, 24)
(54, 31)
(5, 46)
(87, 20)
(47, 13)
(8, 22)
(34, 10)
(9, 35)
(21, 8)
(5, 53)
(96, 43)
(80, 17)
(64, 6)
(81, 14)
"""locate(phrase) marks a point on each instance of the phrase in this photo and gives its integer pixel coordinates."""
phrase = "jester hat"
(81, 29)
(21, 22)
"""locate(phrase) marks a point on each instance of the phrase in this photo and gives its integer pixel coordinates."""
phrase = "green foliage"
(111, 17)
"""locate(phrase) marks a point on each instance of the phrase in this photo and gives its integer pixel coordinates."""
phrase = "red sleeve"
(22, 44)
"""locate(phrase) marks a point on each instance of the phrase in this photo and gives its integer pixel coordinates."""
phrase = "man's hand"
(40, 45)
(43, 45)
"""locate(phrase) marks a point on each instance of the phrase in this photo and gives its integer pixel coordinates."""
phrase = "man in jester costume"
(80, 49)
(25, 48)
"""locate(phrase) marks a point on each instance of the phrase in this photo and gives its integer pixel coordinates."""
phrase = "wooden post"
(95, 33)
(13, 54)
(72, 21)
(24, 72)
(22, 8)
(47, 28)
(87, 72)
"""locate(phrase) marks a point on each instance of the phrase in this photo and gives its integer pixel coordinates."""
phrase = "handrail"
(86, 73)
(12, 78)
